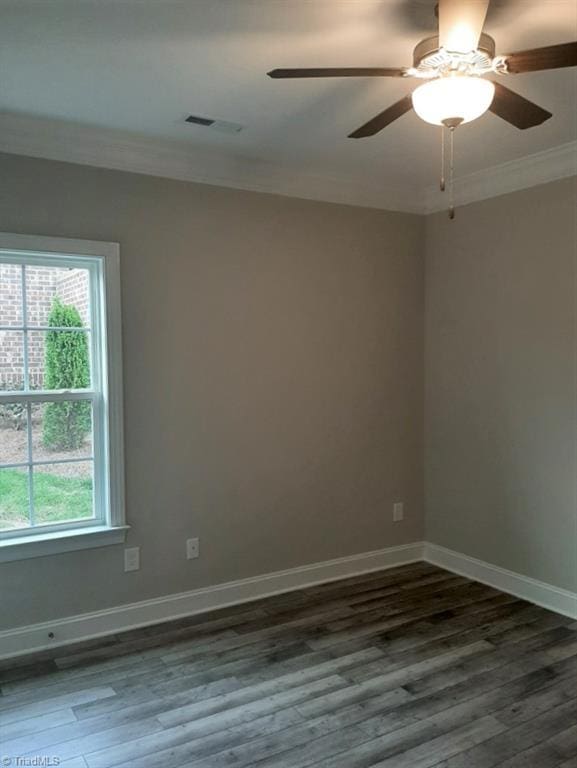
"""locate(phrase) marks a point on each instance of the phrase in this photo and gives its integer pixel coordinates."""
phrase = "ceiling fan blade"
(342, 72)
(461, 23)
(517, 110)
(383, 119)
(535, 59)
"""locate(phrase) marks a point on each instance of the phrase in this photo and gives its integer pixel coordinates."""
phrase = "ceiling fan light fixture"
(454, 97)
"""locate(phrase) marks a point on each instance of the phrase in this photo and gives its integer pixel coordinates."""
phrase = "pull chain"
(451, 173)
(442, 180)
(451, 123)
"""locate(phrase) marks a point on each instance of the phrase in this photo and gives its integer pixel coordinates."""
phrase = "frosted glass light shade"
(459, 96)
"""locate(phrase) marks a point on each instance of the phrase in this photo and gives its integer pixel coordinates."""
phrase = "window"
(61, 460)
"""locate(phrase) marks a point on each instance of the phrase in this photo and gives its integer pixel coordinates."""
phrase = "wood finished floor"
(411, 667)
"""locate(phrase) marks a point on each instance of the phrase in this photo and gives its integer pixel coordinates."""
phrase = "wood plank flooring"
(411, 667)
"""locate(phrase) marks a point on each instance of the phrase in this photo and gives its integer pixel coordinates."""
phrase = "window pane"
(10, 295)
(56, 293)
(11, 360)
(59, 359)
(14, 499)
(13, 433)
(62, 430)
(63, 492)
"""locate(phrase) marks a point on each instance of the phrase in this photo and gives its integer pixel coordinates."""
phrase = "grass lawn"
(55, 498)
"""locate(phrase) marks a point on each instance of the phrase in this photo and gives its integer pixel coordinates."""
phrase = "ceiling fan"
(452, 65)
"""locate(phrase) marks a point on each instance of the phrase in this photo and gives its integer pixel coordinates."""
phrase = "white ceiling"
(140, 66)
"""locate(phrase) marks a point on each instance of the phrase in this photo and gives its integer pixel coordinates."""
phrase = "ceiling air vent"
(216, 125)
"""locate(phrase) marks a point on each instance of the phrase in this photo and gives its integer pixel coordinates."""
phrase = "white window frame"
(109, 525)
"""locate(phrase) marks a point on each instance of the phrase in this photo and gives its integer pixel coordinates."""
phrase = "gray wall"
(273, 368)
(501, 386)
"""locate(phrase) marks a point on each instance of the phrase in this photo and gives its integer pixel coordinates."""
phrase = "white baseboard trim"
(538, 592)
(72, 629)
(35, 637)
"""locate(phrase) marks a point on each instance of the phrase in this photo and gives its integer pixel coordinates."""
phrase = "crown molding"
(120, 150)
(529, 171)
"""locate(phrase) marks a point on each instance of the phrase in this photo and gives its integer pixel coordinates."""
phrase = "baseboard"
(538, 592)
(34, 638)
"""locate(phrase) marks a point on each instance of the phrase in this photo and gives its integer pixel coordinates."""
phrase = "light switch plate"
(398, 511)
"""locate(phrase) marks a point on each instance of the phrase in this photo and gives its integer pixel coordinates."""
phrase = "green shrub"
(66, 367)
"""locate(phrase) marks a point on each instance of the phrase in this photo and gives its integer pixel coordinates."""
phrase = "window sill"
(44, 544)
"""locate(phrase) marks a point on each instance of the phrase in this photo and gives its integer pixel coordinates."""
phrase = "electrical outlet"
(192, 549)
(132, 559)
(398, 511)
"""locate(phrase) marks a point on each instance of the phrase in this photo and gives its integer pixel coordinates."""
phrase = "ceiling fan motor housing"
(430, 60)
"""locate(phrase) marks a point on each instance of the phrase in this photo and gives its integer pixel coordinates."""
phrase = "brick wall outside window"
(43, 284)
